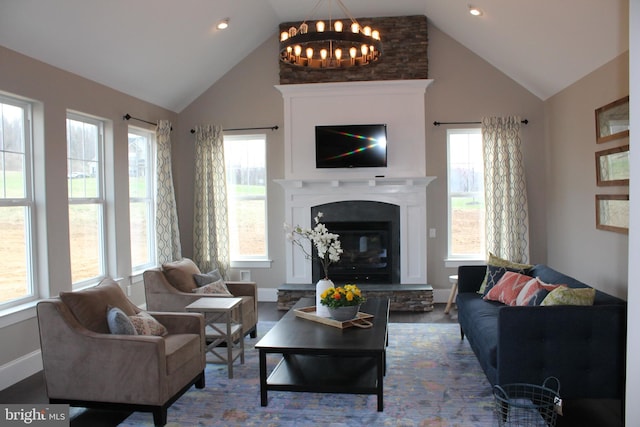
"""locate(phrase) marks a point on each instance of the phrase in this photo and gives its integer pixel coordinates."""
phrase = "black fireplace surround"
(370, 239)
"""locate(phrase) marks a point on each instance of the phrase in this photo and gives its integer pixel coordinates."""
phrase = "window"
(466, 194)
(16, 203)
(86, 199)
(245, 162)
(141, 198)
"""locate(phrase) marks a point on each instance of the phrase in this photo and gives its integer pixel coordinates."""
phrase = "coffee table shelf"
(298, 372)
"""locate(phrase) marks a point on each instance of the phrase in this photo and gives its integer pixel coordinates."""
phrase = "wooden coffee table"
(325, 359)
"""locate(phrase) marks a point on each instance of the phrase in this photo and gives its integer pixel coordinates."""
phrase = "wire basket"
(528, 405)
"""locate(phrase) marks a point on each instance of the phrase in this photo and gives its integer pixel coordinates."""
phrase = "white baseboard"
(20, 368)
(268, 294)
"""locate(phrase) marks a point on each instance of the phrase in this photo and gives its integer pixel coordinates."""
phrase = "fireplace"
(369, 235)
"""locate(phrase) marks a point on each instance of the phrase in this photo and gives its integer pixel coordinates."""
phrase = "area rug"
(432, 379)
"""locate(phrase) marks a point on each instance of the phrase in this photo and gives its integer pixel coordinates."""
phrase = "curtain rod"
(525, 121)
(274, 127)
(129, 117)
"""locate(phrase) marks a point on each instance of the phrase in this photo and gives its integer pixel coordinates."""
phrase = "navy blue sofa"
(583, 346)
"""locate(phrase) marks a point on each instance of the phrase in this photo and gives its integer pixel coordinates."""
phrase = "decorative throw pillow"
(205, 279)
(119, 323)
(496, 261)
(508, 288)
(218, 287)
(145, 324)
(570, 296)
(180, 274)
(537, 297)
(532, 289)
(494, 274)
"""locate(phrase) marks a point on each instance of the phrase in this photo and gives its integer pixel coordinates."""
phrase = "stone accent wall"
(404, 44)
(412, 298)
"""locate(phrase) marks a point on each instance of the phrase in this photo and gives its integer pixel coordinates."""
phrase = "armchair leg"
(200, 382)
(160, 416)
(461, 333)
(254, 332)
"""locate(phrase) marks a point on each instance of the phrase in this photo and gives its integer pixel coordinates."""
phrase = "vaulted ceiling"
(168, 52)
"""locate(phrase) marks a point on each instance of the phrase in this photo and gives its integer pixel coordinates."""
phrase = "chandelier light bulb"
(329, 44)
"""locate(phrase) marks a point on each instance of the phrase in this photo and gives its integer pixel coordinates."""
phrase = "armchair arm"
(180, 323)
(470, 277)
(243, 289)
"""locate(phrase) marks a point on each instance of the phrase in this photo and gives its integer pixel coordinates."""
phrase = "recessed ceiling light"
(223, 24)
(475, 11)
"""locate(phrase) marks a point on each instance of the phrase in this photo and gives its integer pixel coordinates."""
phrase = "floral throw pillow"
(218, 287)
(508, 287)
(145, 324)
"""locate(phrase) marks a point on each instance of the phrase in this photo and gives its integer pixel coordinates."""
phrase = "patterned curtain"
(210, 227)
(167, 233)
(507, 222)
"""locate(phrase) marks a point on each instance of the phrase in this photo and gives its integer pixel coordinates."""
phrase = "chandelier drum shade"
(330, 44)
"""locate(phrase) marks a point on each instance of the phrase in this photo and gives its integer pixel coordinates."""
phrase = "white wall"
(633, 323)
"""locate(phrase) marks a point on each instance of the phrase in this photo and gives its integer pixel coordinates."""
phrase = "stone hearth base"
(401, 297)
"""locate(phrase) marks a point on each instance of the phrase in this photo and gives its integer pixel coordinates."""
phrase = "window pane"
(466, 193)
(141, 198)
(14, 282)
(83, 142)
(139, 215)
(245, 159)
(85, 233)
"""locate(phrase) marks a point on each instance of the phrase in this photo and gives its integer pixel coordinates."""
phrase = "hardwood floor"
(32, 389)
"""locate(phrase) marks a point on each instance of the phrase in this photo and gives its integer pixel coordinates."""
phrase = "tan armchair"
(162, 295)
(87, 366)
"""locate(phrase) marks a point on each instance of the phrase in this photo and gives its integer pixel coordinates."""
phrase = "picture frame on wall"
(612, 120)
(612, 212)
(612, 166)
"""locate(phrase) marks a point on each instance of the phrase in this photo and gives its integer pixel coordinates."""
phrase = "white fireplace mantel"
(408, 193)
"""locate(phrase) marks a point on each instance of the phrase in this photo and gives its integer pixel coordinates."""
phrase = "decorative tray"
(363, 320)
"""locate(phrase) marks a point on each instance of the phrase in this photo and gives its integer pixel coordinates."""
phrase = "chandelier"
(336, 45)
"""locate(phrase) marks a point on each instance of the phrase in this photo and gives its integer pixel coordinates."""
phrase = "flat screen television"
(351, 146)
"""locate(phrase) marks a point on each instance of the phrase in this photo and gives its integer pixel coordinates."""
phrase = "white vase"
(321, 286)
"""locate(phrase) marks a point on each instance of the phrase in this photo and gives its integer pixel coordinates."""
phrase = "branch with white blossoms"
(327, 244)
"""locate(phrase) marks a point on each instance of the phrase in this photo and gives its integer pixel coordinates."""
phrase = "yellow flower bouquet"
(342, 296)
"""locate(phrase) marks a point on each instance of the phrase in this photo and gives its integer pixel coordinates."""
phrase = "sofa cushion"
(508, 288)
(89, 306)
(210, 277)
(119, 323)
(570, 296)
(146, 324)
(479, 321)
(180, 349)
(180, 274)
